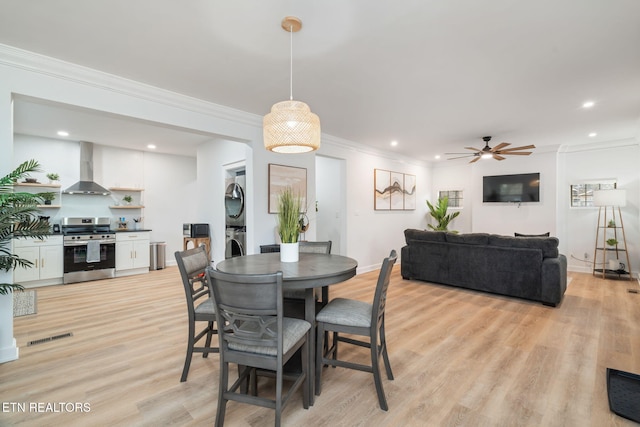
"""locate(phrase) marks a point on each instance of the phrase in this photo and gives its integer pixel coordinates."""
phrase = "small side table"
(198, 241)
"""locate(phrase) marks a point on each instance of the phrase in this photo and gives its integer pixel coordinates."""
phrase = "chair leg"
(305, 371)
(209, 335)
(278, 408)
(190, 345)
(375, 367)
(222, 401)
(320, 334)
(385, 355)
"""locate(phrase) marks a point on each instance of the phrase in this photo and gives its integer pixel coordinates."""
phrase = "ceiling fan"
(496, 152)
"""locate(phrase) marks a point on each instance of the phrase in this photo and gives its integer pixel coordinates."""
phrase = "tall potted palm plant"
(18, 219)
(289, 206)
(439, 213)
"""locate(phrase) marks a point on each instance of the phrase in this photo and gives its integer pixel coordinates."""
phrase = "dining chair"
(320, 247)
(192, 264)
(258, 338)
(355, 317)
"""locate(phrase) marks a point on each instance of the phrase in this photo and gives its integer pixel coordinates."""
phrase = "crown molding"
(52, 67)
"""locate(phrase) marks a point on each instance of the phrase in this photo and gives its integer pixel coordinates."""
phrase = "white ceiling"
(435, 75)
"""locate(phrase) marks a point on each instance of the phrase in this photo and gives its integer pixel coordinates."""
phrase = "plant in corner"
(18, 219)
(439, 213)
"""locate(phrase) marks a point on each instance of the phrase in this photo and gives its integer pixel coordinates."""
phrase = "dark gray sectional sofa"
(523, 267)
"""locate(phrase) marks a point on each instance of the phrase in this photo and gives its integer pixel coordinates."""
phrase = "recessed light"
(437, 156)
(151, 146)
(592, 134)
(63, 133)
(588, 104)
(394, 143)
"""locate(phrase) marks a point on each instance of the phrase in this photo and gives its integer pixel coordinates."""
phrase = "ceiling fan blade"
(498, 157)
(475, 160)
(514, 153)
(499, 147)
(474, 149)
(460, 157)
(524, 147)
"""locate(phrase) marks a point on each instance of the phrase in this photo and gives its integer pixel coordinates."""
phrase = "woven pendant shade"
(291, 127)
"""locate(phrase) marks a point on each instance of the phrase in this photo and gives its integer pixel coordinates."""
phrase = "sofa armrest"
(554, 280)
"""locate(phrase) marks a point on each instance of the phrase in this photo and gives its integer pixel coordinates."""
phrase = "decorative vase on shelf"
(289, 252)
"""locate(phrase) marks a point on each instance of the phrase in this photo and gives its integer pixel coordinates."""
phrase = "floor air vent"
(53, 338)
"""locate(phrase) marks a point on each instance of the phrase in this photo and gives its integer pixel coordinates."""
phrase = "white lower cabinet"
(47, 258)
(132, 253)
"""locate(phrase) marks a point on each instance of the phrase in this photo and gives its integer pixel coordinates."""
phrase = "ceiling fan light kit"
(291, 127)
(498, 152)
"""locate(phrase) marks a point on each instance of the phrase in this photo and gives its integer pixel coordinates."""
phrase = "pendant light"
(291, 127)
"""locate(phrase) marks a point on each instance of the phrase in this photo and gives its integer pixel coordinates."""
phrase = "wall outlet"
(586, 255)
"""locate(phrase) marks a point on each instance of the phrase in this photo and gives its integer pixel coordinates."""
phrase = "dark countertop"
(130, 230)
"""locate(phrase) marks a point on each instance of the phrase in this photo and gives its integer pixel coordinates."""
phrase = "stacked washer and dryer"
(234, 205)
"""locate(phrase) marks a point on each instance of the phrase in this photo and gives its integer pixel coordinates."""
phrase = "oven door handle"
(84, 242)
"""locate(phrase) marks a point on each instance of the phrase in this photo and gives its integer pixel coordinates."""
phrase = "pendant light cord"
(291, 63)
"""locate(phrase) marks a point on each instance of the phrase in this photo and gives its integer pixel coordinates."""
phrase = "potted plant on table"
(289, 206)
(439, 213)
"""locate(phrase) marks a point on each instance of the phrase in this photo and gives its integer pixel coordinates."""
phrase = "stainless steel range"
(89, 249)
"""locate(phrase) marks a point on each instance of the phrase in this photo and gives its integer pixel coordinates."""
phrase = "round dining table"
(311, 271)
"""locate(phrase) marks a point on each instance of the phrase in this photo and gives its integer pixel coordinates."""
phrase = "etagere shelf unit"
(611, 243)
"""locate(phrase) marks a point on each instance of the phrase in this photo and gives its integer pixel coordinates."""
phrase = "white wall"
(331, 203)
(372, 234)
(617, 160)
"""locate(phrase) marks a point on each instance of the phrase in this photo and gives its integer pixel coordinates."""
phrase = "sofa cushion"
(547, 234)
(548, 245)
(423, 235)
(468, 239)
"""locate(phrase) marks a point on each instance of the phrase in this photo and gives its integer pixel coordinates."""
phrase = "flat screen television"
(518, 188)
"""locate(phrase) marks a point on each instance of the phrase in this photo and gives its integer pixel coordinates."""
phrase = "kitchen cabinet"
(132, 253)
(36, 187)
(47, 258)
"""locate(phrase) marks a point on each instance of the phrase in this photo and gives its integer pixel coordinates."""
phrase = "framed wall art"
(281, 177)
(382, 194)
(394, 190)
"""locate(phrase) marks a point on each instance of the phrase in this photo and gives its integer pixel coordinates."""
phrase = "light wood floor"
(459, 358)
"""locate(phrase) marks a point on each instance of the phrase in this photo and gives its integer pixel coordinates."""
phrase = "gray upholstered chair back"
(380, 297)
(250, 307)
(315, 247)
(192, 264)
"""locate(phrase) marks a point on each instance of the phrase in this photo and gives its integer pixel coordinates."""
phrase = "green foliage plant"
(289, 206)
(439, 213)
(53, 176)
(612, 242)
(18, 220)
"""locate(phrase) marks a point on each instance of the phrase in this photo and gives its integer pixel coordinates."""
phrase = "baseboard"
(7, 354)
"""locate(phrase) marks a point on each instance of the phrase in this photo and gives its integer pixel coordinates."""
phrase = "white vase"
(289, 252)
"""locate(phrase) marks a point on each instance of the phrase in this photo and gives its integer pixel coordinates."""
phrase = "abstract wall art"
(394, 190)
(281, 177)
